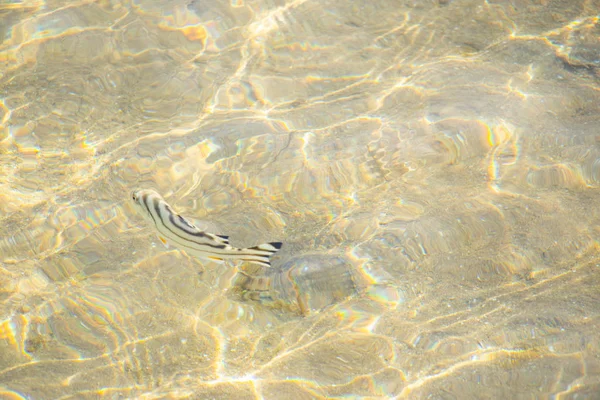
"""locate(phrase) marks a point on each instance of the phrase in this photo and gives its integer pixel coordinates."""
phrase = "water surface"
(432, 167)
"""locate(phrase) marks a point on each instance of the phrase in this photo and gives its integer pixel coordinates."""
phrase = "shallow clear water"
(432, 168)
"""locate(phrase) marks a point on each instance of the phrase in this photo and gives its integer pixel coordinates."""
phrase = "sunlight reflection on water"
(431, 167)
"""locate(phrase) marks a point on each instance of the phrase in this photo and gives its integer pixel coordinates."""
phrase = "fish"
(184, 235)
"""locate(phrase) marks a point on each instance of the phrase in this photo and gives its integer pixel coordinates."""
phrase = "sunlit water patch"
(431, 167)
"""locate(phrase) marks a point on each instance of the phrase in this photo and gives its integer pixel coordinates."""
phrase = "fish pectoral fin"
(162, 239)
(215, 258)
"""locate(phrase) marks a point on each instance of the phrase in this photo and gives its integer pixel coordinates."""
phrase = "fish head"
(142, 198)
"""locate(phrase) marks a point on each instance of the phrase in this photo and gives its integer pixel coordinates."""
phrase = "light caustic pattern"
(432, 168)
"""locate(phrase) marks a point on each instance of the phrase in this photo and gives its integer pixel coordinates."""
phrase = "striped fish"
(175, 229)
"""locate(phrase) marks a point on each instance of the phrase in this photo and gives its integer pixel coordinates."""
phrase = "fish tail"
(271, 248)
(260, 254)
